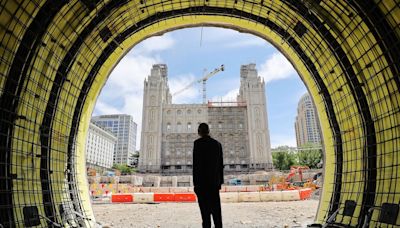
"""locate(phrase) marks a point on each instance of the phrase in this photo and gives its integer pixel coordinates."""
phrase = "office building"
(307, 123)
(100, 146)
(123, 127)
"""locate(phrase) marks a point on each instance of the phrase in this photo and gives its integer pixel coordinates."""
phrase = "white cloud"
(123, 92)
(104, 108)
(229, 96)
(276, 67)
(155, 44)
(178, 83)
(130, 73)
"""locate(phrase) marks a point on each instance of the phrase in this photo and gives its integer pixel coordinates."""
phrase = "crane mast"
(206, 77)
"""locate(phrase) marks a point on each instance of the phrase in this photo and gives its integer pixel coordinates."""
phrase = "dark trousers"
(210, 204)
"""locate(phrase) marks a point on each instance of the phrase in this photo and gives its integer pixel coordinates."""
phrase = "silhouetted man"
(208, 175)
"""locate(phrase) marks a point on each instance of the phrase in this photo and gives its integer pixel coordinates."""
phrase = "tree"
(283, 158)
(124, 169)
(310, 155)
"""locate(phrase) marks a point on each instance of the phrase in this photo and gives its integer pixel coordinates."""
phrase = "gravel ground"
(182, 215)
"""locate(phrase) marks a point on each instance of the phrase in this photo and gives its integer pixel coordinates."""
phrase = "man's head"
(203, 130)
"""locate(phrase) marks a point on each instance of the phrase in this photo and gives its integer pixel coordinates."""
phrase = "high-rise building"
(100, 146)
(168, 130)
(307, 123)
(123, 127)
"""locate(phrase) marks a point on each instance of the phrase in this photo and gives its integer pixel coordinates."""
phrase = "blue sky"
(187, 54)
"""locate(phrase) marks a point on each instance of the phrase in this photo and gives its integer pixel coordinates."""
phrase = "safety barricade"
(226, 197)
(145, 197)
(290, 195)
(235, 188)
(252, 188)
(121, 198)
(229, 197)
(305, 193)
(179, 189)
(249, 196)
(160, 190)
(271, 196)
(145, 189)
(184, 197)
(164, 197)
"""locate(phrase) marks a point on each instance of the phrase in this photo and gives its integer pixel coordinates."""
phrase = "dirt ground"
(182, 215)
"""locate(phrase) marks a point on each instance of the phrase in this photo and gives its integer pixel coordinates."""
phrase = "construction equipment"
(296, 169)
(235, 181)
(203, 80)
(287, 183)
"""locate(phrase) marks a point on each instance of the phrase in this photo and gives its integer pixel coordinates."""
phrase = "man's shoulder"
(215, 141)
(207, 139)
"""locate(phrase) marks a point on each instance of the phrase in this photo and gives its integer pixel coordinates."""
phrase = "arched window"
(189, 126)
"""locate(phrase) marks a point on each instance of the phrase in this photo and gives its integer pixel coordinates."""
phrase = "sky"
(188, 53)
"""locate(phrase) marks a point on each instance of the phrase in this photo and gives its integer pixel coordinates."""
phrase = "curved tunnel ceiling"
(57, 55)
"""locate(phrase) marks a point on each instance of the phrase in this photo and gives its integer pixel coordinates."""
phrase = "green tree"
(310, 155)
(124, 169)
(283, 158)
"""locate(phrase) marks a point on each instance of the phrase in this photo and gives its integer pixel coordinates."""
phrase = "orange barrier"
(185, 197)
(121, 198)
(164, 197)
(305, 193)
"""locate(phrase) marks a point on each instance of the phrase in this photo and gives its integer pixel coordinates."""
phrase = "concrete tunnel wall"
(56, 56)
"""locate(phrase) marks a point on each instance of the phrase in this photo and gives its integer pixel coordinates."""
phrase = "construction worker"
(208, 176)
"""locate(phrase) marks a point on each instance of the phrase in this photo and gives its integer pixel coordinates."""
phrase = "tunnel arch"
(57, 55)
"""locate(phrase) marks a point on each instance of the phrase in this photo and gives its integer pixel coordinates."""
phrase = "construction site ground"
(183, 215)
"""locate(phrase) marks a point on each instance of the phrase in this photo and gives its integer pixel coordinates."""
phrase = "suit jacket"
(208, 168)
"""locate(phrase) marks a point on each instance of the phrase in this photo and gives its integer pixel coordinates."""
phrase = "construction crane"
(203, 80)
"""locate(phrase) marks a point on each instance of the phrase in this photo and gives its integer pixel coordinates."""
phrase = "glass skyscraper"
(123, 127)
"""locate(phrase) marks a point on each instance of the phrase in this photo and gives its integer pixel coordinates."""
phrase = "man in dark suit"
(208, 175)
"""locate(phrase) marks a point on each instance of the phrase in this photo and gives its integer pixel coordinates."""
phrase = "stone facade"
(168, 130)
